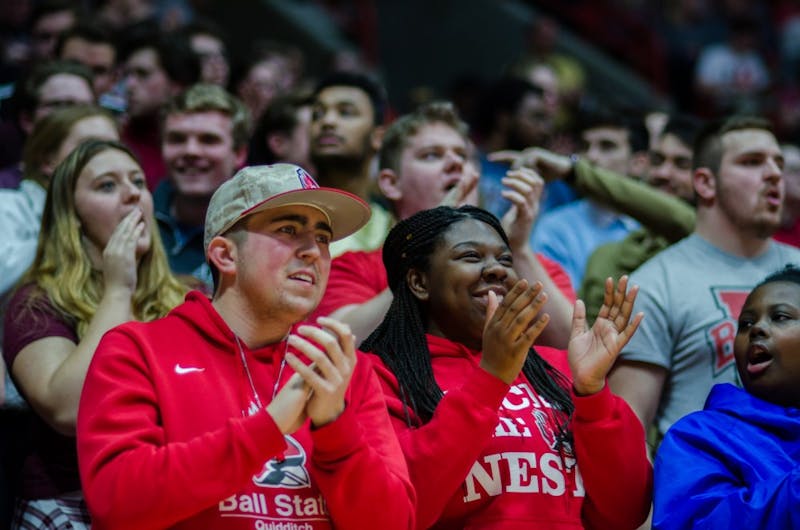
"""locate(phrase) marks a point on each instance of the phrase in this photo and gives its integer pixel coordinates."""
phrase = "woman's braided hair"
(400, 339)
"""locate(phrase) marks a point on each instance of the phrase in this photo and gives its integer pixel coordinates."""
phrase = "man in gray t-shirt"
(691, 293)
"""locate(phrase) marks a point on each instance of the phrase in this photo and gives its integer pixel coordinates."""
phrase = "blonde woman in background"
(99, 263)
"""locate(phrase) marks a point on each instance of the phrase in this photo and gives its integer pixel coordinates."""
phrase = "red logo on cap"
(305, 179)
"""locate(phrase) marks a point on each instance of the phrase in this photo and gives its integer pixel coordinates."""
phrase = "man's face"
(342, 121)
(99, 57)
(432, 163)
(531, 124)
(671, 167)
(147, 83)
(608, 148)
(545, 78)
(213, 59)
(59, 91)
(261, 84)
(46, 31)
(749, 185)
(198, 150)
(283, 262)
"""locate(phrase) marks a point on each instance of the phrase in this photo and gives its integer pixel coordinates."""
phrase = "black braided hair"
(400, 339)
(790, 273)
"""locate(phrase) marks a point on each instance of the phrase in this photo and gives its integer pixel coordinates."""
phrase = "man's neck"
(189, 211)
(353, 178)
(251, 330)
(720, 232)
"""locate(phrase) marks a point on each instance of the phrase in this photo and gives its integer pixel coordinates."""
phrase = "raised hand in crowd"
(120, 259)
(593, 351)
(549, 165)
(523, 187)
(511, 328)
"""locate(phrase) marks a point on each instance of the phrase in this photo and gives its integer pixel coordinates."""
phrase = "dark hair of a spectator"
(790, 273)
(501, 97)
(48, 7)
(280, 116)
(205, 26)
(174, 51)
(631, 120)
(400, 339)
(743, 24)
(262, 50)
(683, 127)
(707, 149)
(373, 89)
(87, 30)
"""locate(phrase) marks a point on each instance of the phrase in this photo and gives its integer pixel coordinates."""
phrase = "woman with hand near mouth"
(493, 431)
(99, 263)
(735, 463)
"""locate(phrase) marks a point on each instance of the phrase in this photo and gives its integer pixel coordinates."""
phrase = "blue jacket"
(183, 244)
(732, 465)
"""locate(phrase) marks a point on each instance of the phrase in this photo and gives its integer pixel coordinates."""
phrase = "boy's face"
(432, 163)
(198, 150)
(671, 167)
(147, 83)
(749, 184)
(767, 345)
(608, 148)
(342, 122)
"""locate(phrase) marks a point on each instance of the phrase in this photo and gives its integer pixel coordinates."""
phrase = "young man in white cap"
(227, 413)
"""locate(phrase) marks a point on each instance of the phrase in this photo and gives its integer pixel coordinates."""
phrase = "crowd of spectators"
(126, 128)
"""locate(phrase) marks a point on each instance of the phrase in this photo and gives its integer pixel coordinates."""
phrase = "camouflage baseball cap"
(256, 188)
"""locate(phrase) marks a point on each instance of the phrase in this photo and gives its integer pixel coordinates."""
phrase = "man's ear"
(241, 157)
(222, 253)
(418, 284)
(388, 184)
(705, 185)
(376, 137)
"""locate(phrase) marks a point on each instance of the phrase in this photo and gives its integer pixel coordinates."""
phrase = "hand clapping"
(511, 328)
(592, 352)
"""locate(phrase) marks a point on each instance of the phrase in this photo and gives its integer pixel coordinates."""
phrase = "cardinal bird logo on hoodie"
(286, 470)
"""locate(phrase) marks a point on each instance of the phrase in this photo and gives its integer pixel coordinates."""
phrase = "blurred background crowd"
(702, 57)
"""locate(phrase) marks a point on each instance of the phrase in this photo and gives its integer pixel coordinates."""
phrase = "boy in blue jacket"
(735, 463)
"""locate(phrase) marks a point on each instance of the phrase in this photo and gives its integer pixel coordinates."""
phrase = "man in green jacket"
(663, 205)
